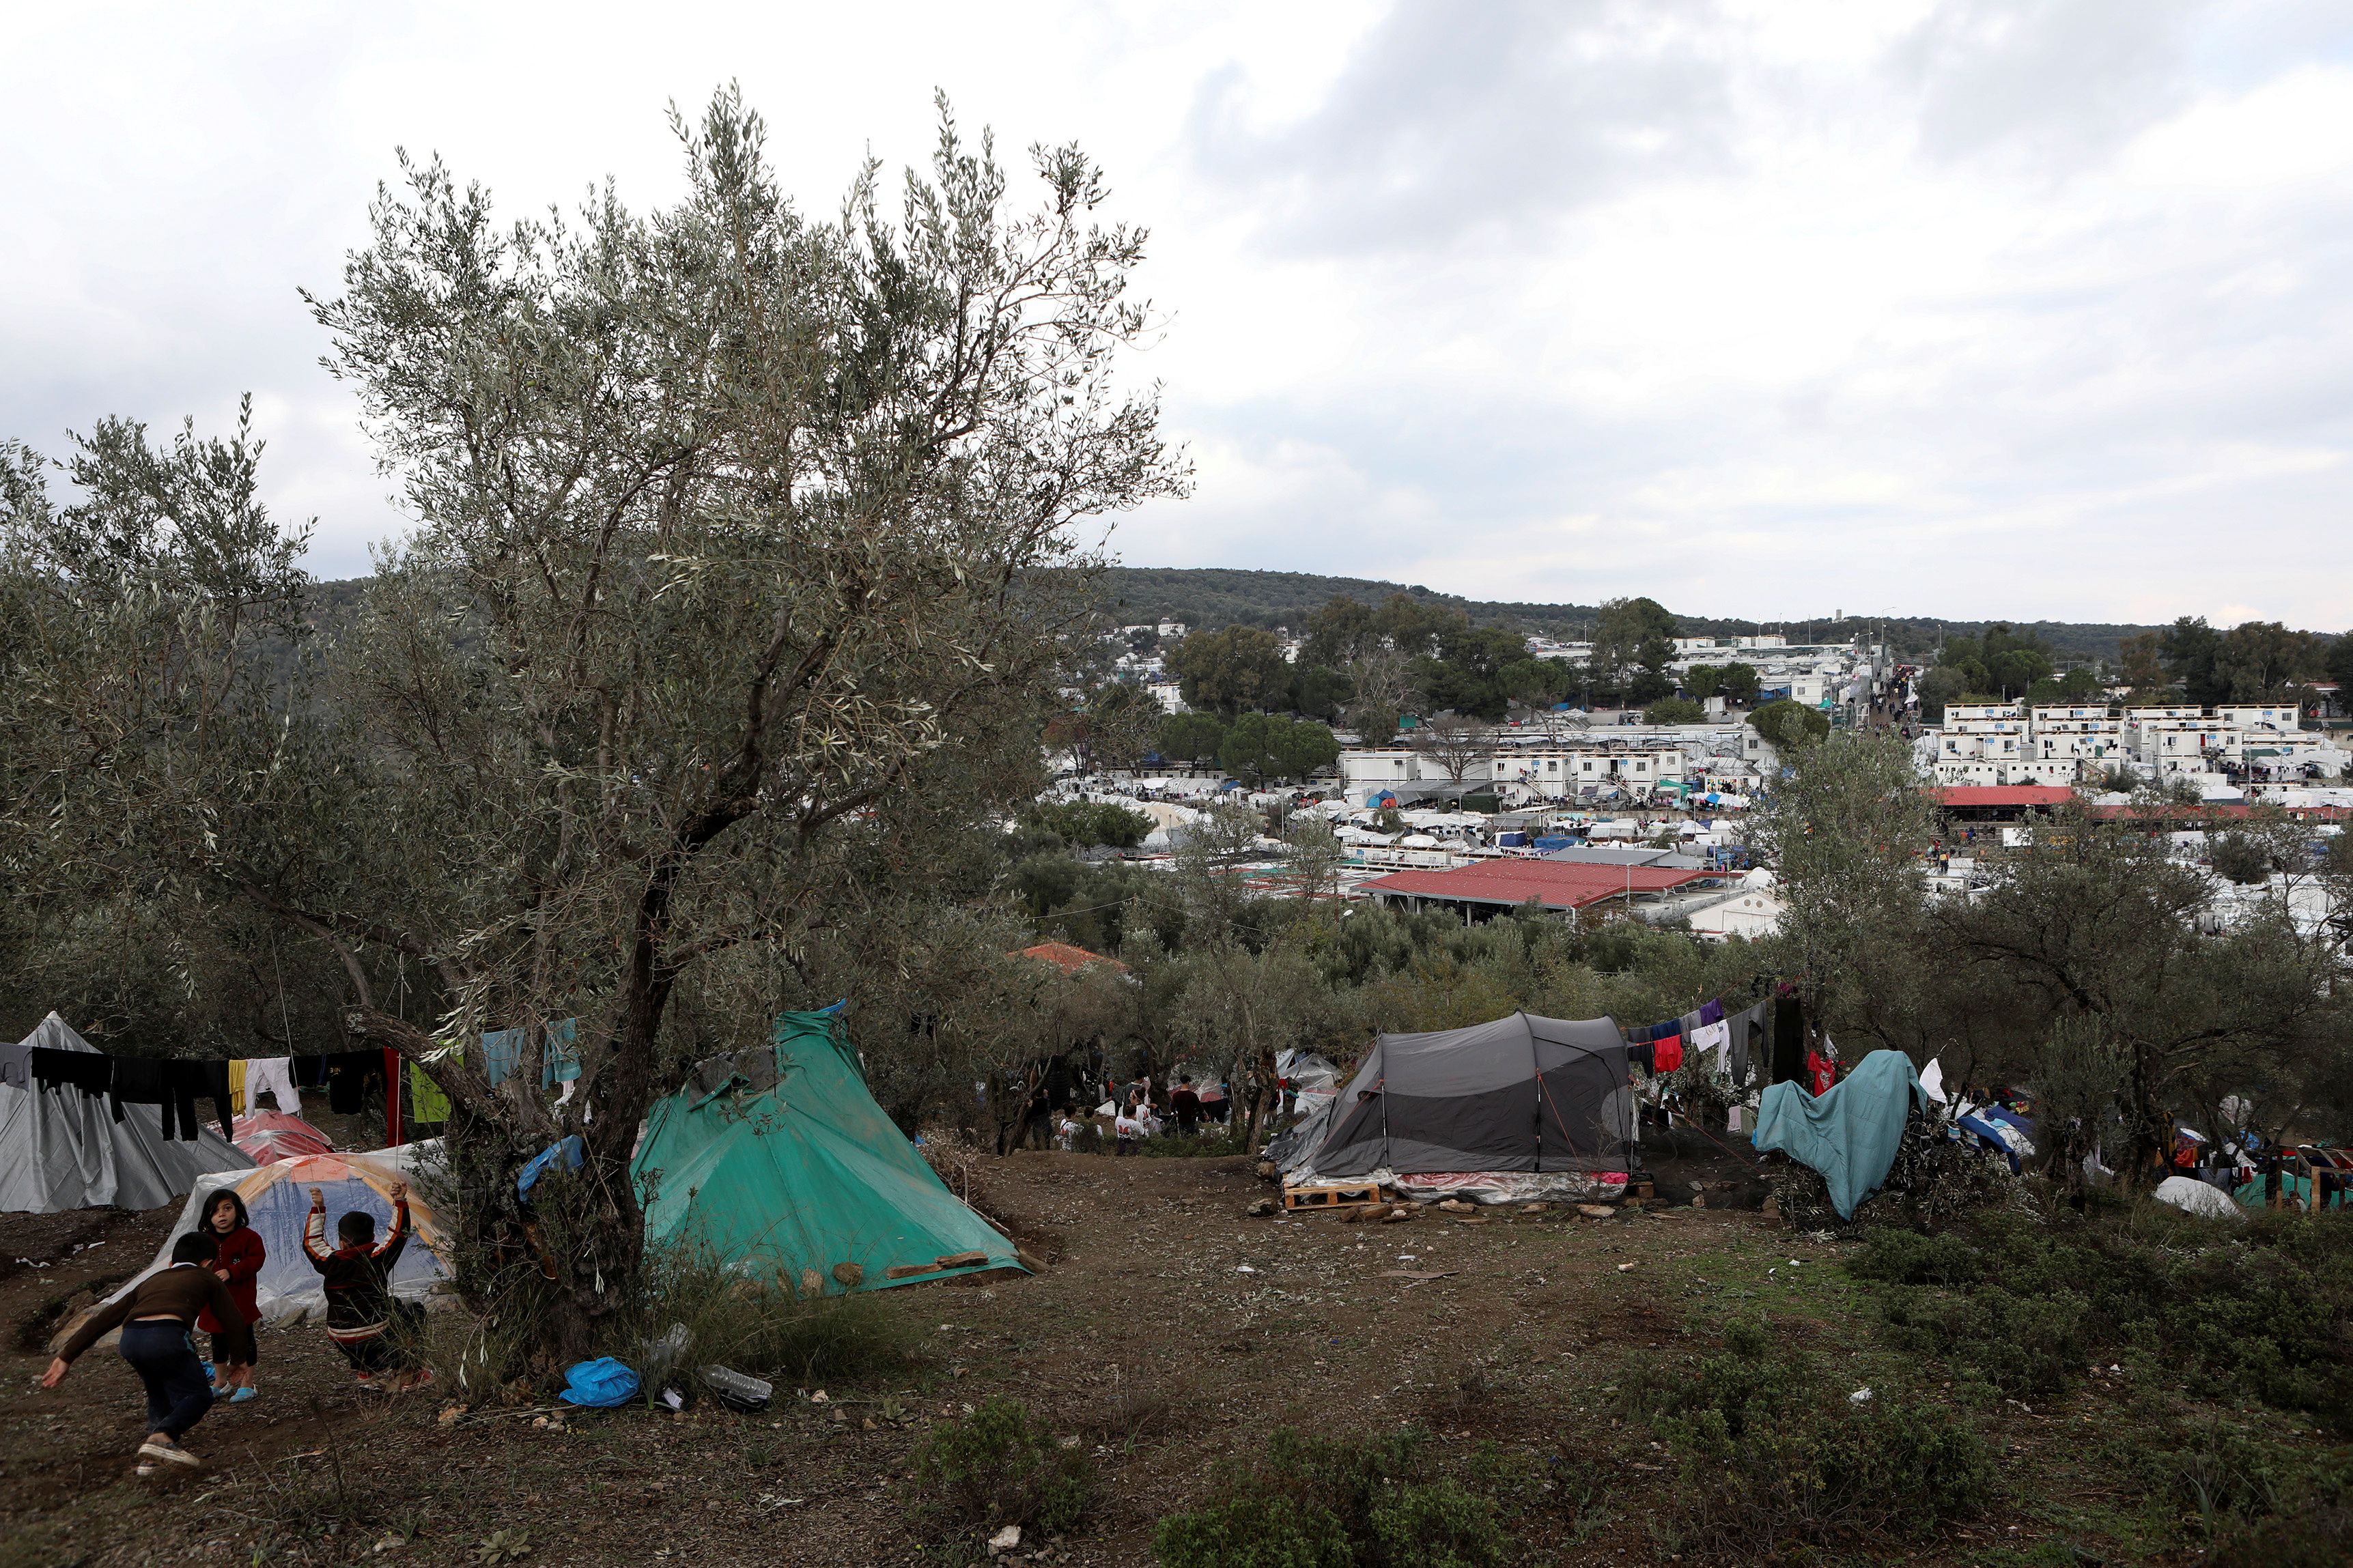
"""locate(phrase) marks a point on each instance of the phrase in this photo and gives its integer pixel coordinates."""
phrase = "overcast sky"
(2023, 308)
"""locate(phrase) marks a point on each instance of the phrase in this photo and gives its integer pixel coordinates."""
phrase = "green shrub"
(1773, 1451)
(1439, 1525)
(1203, 1145)
(1341, 1476)
(1267, 1531)
(2260, 1312)
(1000, 1466)
(1305, 1500)
(751, 1323)
(2023, 1346)
(760, 1325)
(1907, 1258)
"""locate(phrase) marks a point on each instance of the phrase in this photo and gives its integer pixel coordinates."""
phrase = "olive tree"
(735, 532)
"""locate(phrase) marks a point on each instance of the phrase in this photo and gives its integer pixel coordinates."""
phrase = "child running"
(237, 1265)
(358, 1278)
(154, 1315)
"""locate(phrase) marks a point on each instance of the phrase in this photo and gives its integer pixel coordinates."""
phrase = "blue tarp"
(1849, 1134)
(1988, 1132)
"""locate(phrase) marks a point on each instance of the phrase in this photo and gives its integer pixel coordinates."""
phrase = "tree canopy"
(733, 526)
(1266, 748)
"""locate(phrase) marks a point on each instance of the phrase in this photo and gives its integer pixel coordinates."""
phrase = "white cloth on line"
(1932, 1078)
(1715, 1036)
(275, 1075)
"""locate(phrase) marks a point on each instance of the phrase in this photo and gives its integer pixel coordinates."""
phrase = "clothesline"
(172, 1086)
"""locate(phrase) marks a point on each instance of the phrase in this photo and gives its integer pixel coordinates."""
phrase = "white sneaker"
(168, 1451)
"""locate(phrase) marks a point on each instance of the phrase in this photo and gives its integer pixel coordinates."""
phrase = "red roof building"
(1068, 958)
(1506, 883)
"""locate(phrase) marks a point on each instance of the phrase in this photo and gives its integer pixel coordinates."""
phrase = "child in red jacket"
(239, 1265)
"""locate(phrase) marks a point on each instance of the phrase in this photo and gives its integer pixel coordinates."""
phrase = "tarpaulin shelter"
(1850, 1132)
(779, 1161)
(278, 1202)
(62, 1149)
(268, 1135)
(1521, 1093)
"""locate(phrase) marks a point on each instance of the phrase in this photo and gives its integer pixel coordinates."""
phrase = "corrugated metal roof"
(1555, 884)
(2004, 795)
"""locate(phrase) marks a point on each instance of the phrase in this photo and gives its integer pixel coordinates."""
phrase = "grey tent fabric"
(1522, 1093)
(60, 1149)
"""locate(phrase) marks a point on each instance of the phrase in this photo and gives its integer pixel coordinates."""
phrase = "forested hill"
(1213, 596)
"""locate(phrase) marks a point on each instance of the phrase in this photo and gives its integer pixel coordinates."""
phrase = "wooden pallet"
(1331, 1195)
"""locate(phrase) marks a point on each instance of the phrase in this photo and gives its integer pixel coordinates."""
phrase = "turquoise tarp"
(805, 1175)
(1849, 1134)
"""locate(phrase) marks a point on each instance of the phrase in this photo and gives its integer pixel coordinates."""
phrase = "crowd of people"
(1135, 1111)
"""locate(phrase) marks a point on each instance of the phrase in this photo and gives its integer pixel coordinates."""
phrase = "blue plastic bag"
(600, 1384)
(565, 1153)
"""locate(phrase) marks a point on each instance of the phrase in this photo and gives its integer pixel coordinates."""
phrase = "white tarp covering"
(1511, 1187)
(2191, 1195)
(61, 1149)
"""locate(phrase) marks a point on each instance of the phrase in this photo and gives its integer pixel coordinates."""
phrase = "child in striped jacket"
(371, 1329)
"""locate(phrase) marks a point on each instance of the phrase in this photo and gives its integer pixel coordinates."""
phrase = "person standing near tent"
(154, 1316)
(1186, 1104)
(237, 1265)
(358, 1278)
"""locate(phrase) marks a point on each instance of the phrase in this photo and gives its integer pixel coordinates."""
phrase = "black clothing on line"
(1789, 1040)
(174, 1086)
(349, 1075)
(88, 1071)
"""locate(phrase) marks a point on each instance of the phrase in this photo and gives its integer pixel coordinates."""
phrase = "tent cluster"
(777, 1162)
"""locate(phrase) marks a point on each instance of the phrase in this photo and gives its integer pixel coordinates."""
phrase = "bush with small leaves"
(1439, 1525)
(1266, 1530)
(1001, 1466)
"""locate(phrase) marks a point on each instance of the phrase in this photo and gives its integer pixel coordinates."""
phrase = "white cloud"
(1989, 307)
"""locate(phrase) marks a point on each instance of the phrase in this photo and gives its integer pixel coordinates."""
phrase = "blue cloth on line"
(1850, 1131)
(502, 1050)
(2010, 1118)
(559, 1060)
(1989, 1134)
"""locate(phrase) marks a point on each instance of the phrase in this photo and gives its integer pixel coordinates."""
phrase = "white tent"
(60, 1149)
(277, 1200)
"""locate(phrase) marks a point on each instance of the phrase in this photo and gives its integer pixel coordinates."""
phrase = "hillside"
(1215, 597)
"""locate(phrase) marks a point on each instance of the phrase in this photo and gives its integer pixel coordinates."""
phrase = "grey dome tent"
(60, 1149)
(1522, 1093)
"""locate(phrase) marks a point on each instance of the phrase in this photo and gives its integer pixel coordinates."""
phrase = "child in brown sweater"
(154, 1315)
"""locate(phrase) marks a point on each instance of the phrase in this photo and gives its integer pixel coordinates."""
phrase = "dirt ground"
(1171, 1327)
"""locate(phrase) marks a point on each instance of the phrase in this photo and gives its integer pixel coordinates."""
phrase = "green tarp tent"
(779, 1160)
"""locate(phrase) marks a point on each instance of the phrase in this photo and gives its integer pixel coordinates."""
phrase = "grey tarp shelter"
(1521, 1093)
(60, 1149)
